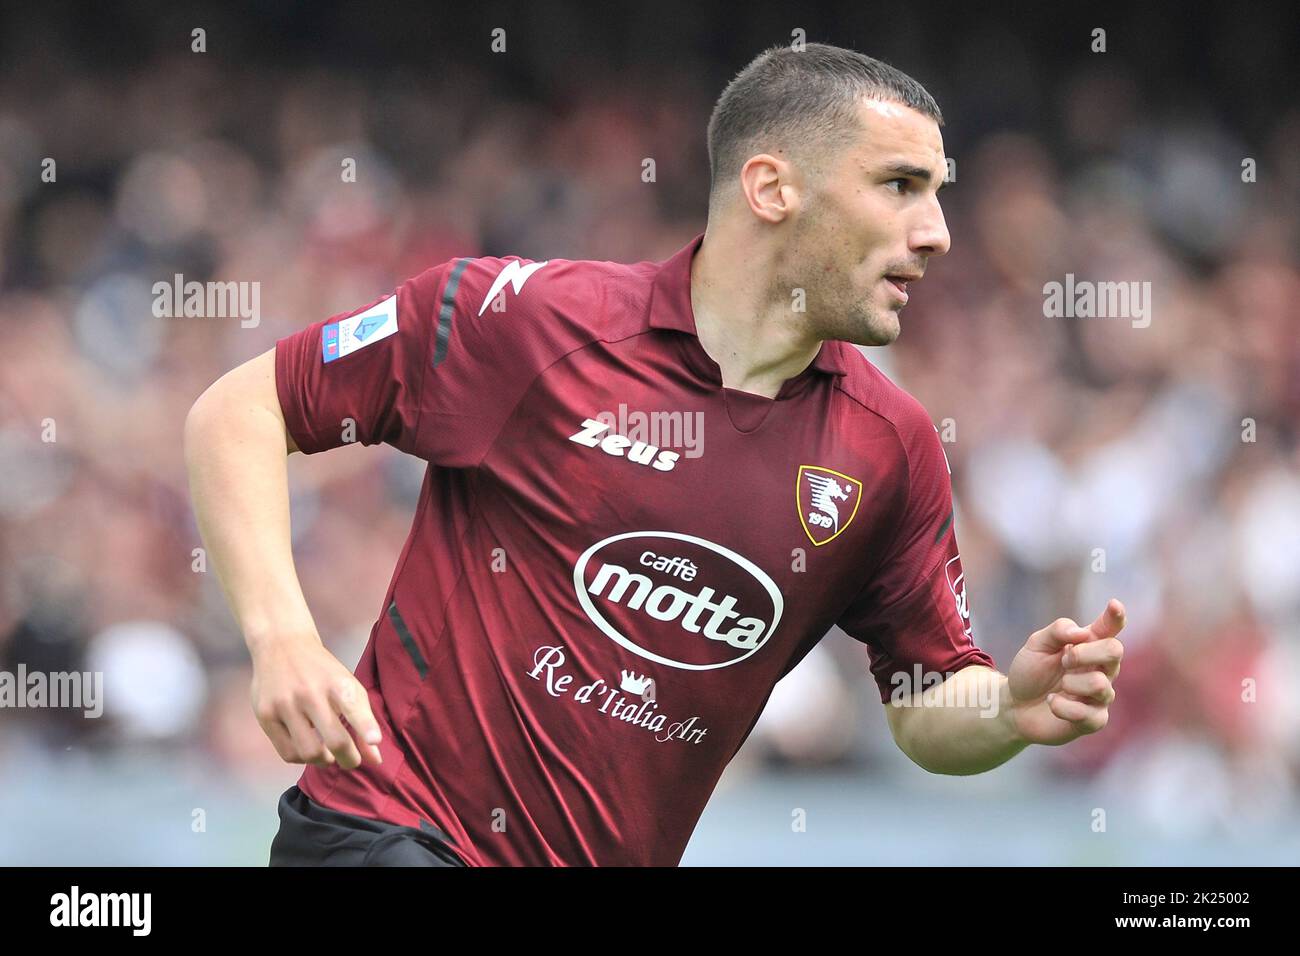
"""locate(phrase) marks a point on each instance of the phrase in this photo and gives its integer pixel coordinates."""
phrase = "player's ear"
(766, 186)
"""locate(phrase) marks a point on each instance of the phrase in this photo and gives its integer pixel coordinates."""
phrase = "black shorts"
(313, 835)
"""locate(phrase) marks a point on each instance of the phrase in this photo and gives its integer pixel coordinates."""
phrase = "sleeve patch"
(357, 331)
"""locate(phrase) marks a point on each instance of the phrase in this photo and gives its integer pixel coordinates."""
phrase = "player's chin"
(869, 323)
(882, 329)
(888, 336)
(876, 334)
(891, 320)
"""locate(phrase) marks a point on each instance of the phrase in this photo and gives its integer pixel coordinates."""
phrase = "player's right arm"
(426, 369)
(236, 447)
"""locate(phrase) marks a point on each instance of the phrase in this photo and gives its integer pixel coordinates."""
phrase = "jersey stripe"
(407, 640)
(448, 308)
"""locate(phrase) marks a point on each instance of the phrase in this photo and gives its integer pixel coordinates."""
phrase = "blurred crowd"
(1091, 457)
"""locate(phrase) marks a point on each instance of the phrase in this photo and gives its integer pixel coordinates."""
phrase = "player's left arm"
(1060, 687)
(962, 716)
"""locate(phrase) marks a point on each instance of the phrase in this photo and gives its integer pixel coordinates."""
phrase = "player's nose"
(929, 236)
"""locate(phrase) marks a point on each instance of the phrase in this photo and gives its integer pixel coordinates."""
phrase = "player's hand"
(1062, 681)
(300, 691)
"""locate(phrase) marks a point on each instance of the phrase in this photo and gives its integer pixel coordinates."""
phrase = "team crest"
(827, 502)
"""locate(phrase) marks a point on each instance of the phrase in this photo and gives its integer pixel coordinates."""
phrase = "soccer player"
(651, 490)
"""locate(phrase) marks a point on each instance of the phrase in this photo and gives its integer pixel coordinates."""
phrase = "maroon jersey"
(615, 557)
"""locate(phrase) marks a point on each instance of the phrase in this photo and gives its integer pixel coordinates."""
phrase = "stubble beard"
(834, 308)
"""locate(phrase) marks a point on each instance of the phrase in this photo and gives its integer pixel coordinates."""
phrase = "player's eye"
(902, 184)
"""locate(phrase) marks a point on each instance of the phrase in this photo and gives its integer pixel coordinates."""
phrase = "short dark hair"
(804, 99)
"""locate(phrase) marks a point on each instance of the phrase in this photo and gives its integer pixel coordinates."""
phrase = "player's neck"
(750, 336)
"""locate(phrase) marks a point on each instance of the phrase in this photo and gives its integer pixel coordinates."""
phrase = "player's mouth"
(899, 283)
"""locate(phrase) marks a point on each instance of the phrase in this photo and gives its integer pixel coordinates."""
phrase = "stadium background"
(1071, 434)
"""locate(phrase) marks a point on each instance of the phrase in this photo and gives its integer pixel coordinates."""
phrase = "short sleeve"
(421, 369)
(914, 612)
(359, 376)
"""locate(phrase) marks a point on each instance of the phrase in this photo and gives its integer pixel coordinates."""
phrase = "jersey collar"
(670, 306)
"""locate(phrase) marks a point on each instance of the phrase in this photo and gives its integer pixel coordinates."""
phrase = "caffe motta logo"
(827, 502)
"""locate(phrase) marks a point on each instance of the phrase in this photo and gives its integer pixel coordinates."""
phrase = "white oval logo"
(681, 596)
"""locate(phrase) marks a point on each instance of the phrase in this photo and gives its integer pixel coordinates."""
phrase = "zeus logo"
(639, 452)
(513, 273)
